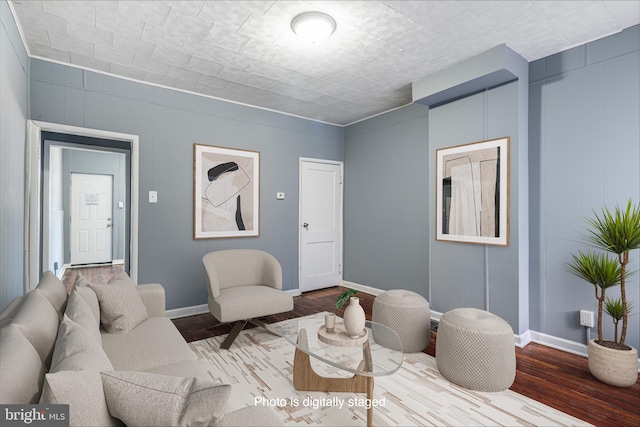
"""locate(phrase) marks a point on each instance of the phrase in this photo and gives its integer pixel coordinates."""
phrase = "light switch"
(153, 197)
(280, 196)
(120, 205)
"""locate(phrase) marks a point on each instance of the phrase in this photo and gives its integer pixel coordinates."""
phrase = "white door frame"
(341, 226)
(33, 194)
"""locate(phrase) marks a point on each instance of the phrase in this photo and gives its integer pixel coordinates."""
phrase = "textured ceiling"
(245, 51)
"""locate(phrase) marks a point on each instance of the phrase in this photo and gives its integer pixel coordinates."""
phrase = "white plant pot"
(614, 367)
(354, 318)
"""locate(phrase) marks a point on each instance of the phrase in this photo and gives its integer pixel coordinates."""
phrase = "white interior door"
(320, 226)
(91, 213)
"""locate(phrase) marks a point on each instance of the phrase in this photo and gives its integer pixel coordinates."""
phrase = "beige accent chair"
(244, 284)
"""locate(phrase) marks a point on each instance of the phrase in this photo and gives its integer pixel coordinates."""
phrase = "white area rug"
(259, 366)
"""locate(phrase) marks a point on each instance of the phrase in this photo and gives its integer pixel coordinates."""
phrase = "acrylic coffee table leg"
(306, 379)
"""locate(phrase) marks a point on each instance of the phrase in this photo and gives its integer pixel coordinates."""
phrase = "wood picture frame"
(472, 193)
(226, 192)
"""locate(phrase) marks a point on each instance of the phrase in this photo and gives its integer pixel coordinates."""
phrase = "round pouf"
(476, 350)
(408, 314)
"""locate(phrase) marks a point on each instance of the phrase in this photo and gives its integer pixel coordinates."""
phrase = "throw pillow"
(81, 286)
(82, 391)
(77, 350)
(121, 308)
(78, 310)
(144, 399)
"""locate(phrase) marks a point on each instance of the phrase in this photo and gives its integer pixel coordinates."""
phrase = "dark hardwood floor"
(555, 378)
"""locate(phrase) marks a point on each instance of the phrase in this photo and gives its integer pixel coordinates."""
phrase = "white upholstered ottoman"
(476, 350)
(408, 314)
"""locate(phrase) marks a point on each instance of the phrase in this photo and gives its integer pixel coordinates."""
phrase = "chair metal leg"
(233, 334)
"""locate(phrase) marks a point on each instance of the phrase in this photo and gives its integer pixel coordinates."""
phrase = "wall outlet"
(586, 318)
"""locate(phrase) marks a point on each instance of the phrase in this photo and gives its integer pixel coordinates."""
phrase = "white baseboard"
(187, 311)
(363, 288)
(523, 339)
(562, 344)
(63, 270)
(558, 343)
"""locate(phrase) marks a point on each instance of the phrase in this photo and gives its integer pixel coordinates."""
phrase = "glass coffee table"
(377, 354)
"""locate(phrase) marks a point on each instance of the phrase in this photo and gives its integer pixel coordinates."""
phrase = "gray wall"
(14, 95)
(390, 197)
(386, 194)
(168, 123)
(584, 153)
(467, 275)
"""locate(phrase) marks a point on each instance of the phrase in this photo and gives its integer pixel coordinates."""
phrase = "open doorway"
(55, 153)
(85, 201)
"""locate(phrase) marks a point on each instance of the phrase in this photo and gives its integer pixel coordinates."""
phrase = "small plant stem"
(600, 302)
(624, 260)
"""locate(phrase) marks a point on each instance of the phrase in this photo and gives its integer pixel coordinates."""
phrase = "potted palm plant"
(616, 233)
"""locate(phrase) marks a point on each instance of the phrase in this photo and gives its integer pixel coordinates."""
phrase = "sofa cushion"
(121, 308)
(81, 286)
(77, 350)
(82, 391)
(78, 310)
(185, 368)
(54, 290)
(38, 321)
(85, 361)
(143, 399)
(153, 343)
(21, 368)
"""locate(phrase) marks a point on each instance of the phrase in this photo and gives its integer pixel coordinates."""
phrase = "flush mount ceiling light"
(313, 26)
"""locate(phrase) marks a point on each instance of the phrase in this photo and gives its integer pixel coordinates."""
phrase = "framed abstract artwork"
(226, 193)
(472, 193)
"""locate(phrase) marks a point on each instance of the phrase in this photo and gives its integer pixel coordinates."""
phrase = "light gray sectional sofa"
(111, 354)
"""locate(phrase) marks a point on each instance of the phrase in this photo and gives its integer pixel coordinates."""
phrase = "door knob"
(305, 225)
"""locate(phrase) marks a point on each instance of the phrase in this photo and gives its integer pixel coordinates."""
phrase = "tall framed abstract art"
(472, 193)
(226, 192)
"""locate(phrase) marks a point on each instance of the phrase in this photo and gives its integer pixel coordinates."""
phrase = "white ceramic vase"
(354, 318)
